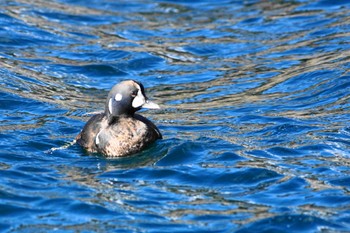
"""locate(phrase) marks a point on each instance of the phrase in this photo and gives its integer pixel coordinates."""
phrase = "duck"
(119, 131)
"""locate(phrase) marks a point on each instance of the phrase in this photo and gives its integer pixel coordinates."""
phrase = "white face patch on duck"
(139, 100)
(118, 97)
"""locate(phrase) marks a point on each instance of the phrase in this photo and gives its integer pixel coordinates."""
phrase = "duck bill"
(150, 105)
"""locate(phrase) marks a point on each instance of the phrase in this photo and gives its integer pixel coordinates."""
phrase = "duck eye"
(134, 93)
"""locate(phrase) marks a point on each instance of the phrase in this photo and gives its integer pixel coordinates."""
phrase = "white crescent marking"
(97, 141)
(110, 105)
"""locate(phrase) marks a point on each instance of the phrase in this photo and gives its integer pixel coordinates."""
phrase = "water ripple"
(255, 112)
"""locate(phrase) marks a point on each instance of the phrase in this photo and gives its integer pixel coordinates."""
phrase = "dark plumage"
(118, 131)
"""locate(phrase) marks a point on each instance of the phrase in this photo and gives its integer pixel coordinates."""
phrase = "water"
(255, 115)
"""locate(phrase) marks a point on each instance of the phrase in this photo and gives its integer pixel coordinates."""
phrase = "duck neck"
(113, 119)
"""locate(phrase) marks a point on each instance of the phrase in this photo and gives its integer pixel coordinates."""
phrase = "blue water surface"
(255, 115)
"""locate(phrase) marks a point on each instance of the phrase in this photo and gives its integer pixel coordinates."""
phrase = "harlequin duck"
(118, 131)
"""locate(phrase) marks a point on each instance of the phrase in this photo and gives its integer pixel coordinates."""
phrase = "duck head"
(127, 97)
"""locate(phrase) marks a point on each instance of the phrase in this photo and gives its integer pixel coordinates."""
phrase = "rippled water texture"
(255, 115)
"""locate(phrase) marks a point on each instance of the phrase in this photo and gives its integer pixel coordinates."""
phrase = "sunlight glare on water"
(255, 112)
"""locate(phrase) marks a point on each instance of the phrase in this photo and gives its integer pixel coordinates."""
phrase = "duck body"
(119, 131)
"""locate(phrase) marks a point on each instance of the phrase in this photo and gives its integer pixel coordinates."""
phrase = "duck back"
(124, 136)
